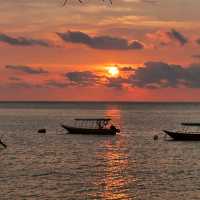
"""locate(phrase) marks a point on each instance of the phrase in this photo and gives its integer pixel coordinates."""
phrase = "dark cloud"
(192, 78)
(116, 82)
(107, 42)
(88, 78)
(160, 75)
(56, 84)
(152, 2)
(196, 56)
(21, 84)
(178, 36)
(127, 69)
(165, 38)
(14, 78)
(83, 78)
(155, 74)
(22, 41)
(27, 69)
(18, 83)
(136, 45)
(198, 41)
(100, 42)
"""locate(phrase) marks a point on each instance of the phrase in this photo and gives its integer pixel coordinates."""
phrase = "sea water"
(130, 165)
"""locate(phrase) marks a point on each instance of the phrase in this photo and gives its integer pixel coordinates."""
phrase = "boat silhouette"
(185, 135)
(100, 126)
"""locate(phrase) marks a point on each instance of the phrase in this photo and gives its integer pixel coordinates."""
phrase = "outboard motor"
(117, 130)
(112, 127)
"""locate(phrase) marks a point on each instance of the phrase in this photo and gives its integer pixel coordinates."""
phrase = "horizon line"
(92, 101)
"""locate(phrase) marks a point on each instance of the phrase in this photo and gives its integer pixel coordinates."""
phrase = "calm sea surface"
(130, 165)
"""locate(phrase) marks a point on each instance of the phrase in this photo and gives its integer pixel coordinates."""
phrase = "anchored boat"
(185, 135)
(100, 126)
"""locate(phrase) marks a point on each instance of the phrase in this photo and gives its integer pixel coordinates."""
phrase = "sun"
(113, 71)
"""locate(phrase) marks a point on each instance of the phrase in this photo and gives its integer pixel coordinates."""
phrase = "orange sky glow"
(132, 50)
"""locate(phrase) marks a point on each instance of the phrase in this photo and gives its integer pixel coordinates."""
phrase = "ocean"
(130, 165)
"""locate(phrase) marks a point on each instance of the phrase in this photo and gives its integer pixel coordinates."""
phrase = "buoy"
(155, 137)
(43, 130)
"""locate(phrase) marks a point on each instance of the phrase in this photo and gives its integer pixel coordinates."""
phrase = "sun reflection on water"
(114, 155)
(114, 113)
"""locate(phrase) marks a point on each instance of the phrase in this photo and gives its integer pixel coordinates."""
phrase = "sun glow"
(113, 71)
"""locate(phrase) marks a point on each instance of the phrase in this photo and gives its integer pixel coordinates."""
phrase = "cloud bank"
(22, 41)
(153, 75)
(100, 42)
(84, 78)
(161, 75)
(165, 38)
(27, 69)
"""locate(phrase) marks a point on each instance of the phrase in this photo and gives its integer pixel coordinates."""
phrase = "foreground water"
(130, 165)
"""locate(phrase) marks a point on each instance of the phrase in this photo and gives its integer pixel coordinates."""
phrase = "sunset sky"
(132, 50)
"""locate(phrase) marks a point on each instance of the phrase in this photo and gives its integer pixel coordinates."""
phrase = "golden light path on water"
(114, 180)
(115, 156)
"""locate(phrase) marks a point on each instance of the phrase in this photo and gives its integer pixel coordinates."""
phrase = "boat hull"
(183, 136)
(87, 131)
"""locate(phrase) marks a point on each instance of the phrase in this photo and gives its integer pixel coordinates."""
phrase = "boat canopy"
(92, 122)
(190, 124)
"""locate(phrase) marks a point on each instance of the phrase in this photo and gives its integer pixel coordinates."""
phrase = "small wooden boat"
(183, 135)
(101, 126)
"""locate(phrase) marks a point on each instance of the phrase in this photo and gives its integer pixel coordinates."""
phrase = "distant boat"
(100, 126)
(182, 135)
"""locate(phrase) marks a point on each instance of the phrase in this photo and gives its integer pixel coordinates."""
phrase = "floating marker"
(43, 130)
(155, 137)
